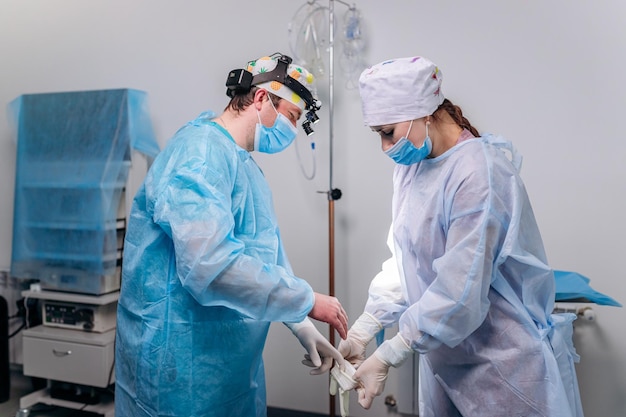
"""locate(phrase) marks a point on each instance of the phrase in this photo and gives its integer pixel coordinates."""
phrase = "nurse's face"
(392, 133)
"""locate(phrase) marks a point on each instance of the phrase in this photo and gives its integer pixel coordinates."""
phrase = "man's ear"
(259, 97)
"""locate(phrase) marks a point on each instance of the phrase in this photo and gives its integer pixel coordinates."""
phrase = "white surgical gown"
(470, 286)
(204, 274)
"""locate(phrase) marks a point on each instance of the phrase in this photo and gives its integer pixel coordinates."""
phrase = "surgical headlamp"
(240, 81)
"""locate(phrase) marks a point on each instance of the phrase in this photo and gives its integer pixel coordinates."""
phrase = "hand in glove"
(372, 373)
(360, 334)
(320, 353)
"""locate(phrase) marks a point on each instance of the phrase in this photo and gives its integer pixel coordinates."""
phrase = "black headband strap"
(280, 75)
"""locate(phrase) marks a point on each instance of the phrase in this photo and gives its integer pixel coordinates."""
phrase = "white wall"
(547, 74)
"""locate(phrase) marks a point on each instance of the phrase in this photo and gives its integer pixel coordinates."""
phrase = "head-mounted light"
(241, 81)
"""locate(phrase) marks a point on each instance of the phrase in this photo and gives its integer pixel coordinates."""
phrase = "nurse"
(468, 281)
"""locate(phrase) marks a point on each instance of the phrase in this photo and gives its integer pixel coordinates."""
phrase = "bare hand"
(329, 310)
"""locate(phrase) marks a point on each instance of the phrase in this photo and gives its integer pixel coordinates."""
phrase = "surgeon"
(205, 270)
(468, 281)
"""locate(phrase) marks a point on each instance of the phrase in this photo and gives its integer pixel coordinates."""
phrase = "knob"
(588, 314)
(390, 401)
(335, 194)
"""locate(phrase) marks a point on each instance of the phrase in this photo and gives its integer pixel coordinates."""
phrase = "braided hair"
(457, 115)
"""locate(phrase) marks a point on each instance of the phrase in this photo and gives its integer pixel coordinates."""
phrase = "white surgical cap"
(298, 73)
(399, 90)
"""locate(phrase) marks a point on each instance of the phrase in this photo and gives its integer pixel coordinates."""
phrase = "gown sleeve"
(195, 208)
(386, 298)
(456, 302)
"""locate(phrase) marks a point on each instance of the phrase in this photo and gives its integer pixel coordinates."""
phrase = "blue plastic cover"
(73, 159)
(574, 286)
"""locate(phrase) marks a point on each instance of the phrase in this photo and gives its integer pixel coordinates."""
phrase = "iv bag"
(308, 37)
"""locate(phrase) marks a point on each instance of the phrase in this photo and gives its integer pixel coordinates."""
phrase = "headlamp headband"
(280, 75)
(240, 81)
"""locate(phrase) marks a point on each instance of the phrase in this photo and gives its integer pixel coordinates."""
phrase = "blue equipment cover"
(574, 286)
(73, 160)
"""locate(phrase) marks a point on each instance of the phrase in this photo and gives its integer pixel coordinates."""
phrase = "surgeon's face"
(269, 111)
(289, 110)
(392, 133)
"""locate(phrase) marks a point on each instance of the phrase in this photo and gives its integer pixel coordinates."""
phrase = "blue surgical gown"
(204, 274)
(471, 289)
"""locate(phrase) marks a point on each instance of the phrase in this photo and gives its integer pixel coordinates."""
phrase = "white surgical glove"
(342, 381)
(320, 353)
(360, 334)
(372, 373)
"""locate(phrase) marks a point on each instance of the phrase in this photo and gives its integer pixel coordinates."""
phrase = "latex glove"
(372, 374)
(342, 381)
(329, 310)
(320, 353)
(360, 334)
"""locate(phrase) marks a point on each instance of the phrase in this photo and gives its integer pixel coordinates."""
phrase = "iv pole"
(333, 193)
(331, 199)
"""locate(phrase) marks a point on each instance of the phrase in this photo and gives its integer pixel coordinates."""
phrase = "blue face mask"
(276, 138)
(405, 153)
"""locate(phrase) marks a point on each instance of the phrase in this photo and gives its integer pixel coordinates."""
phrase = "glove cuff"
(297, 327)
(365, 328)
(394, 351)
(345, 377)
